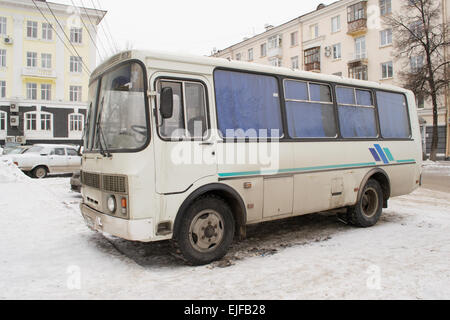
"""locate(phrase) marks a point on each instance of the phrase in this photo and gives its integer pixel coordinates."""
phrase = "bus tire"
(206, 230)
(367, 212)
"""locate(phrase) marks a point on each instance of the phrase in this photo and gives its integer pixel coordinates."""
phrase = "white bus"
(195, 149)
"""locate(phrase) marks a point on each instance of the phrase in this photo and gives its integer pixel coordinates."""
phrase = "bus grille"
(91, 179)
(114, 184)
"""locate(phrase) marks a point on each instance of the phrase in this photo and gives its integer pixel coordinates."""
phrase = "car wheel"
(40, 172)
(206, 231)
(369, 208)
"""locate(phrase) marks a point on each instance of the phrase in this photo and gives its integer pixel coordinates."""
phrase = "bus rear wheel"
(206, 231)
(369, 208)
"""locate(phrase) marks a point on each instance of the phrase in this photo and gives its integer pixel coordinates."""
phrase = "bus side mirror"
(166, 107)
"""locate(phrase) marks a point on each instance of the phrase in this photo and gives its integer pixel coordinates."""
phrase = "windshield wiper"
(100, 136)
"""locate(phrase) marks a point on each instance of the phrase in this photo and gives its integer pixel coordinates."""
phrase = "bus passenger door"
(184, 147)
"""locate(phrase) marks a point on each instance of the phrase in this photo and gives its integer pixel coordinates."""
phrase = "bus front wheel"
(206, 231)
(367, 212)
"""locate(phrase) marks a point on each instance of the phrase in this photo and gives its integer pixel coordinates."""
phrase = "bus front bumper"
(133, 230)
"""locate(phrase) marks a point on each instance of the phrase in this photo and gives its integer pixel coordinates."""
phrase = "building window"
(3, 58)
(386, 37)
(2, 26)
(46, 122)
(76, 35)
(75, 93)
(360, 48)
(275, 42)
(358, 72)
(276, 62)
(416, 63)
(46, 60)
(420, 102)
(263, 50)
(336, 24)
(76, 121)
(250, 54)
(387, 70)
(356, 12)
(2, 89)
(294, 62)
(47, 31)
(32, 29)
(75, 64)
(31, 91)
(312, 59)
(2, 121)
(337, 51)
(46, 92)
(30, 121)
(385, 7)
(294, 39)
(314, 31)
(31, 59)
(238, 56)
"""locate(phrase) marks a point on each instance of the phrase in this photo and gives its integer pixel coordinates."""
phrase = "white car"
(42, 160)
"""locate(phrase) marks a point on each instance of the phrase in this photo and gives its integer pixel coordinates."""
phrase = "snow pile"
(442, 167)
(10, 173)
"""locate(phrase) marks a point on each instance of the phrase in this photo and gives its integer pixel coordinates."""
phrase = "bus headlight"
(111, 204)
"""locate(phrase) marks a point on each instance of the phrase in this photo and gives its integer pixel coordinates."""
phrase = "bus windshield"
(117, 120)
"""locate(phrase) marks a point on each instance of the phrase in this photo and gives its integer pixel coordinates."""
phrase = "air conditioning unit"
(14, 121)
(8, 40)
(21, 140)
(328, 51)
(14, 108)
(10, 140)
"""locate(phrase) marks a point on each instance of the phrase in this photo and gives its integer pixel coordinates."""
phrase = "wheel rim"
(369, 202)
(206, 231)
(40, 173)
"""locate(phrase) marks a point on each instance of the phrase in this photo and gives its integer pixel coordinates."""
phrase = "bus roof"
(193, 63)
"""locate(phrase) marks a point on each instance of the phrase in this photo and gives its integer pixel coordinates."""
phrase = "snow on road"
(46, 252)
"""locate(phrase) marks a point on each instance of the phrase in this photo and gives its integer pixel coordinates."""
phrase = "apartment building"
(44, 75)
(346, 38)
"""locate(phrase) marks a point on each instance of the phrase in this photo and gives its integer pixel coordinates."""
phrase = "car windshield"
(14, 151)
(34, 150)
(117, 119)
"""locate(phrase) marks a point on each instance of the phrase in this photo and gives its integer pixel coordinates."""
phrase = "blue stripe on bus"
(270, 172)
(389, 154)
(274, 172)
(375, 154)
(381, 153)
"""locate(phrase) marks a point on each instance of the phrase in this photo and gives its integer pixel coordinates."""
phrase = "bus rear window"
(394, 120)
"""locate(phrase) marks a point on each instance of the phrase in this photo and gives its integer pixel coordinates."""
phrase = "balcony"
(357, 18)
(38, 72)
(357, 27)
(275, 52)
(313, 66)
(359, 59)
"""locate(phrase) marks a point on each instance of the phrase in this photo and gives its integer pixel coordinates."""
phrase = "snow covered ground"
(46, 252)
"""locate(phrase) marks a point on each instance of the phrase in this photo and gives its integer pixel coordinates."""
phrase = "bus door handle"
(207, 143)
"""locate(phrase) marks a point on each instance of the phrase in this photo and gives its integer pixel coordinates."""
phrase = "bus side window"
(195, 110)
(174, 127)
(189, 111)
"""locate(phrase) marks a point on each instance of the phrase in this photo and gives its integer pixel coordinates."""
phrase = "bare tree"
(419, 38)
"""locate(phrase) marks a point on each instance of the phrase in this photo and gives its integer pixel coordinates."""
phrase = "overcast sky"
(194, 26)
